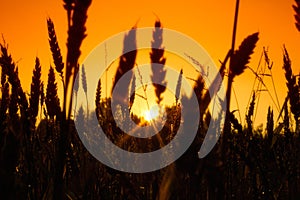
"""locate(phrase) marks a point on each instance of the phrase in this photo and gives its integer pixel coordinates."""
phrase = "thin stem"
(259, 88)
(235, 24)
(143, 86)
(274, 88)
(237, 103)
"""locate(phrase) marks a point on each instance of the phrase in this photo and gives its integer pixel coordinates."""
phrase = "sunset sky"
(209, 22)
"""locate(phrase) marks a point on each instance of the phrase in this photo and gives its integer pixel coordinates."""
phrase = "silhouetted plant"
(84, 86)
(13, 105)
(54, 47)
(55, 165)
(52, 100)
(235, 123)
(42, 99)
(238, 63)
(297, 15)
(241, 57)
(77, 16)
(250, 114)
(286, 122)
(157, 62)
(132, 92)
(178, 87)
(270, 123)
(76, 35)
(4, 101)
(75, 89)
(8, 68)
(270, 65)
(199, 87)
(69, 6)
(126, 63)
(98, 100)
(35, 92)
(293, 90)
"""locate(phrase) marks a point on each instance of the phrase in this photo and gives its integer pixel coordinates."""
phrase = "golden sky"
(209, 22)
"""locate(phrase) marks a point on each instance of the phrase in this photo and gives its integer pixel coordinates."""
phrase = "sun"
(151, 114)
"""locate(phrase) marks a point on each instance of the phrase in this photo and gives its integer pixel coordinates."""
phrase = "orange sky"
(23, 24)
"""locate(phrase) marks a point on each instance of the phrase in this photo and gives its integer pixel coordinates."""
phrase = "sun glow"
(151, 114)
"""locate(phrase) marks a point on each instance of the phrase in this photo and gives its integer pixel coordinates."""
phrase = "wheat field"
(43, 157)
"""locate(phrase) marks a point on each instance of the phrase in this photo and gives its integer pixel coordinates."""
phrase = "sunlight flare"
(152, 113)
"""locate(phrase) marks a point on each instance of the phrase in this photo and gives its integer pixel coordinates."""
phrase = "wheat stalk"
(214, 86)
(35, 91)
(250, 114)
(69, 6)
(9, 68)
(241, 57)
(199, 87)
(127, 60)
(297, 15)
(286, 121)
(178, 87)
(270, 65)
(126, 64)
(84, 86)
(238, 63)
(145, 97)
(4, 100)
(293, 90)
(20, 100)
(98, 100)
(157, 62)
(77, 16)
(76, 35)
(13, 104)
(270, 123)
(42, 99)
(83, 79)
(54, 47)
(52, 100)
(4, 103)
(75, 89)
(132, 92)
(236, 124)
